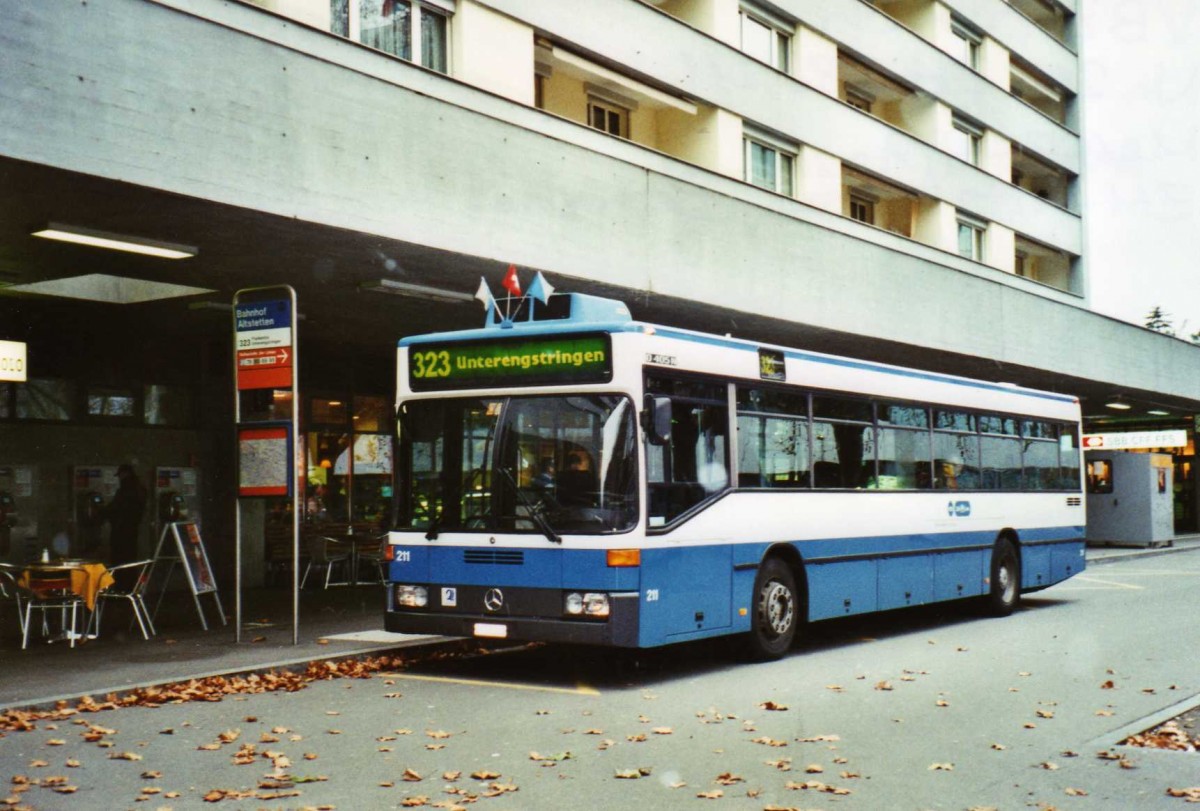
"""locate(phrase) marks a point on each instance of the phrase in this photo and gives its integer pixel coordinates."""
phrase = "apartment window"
(859, 99)
(608, 117)
(769, 165)
(765, 37)
(967, 140)
(862, 209)
(967, 44)
(416, 30)
(970, 237)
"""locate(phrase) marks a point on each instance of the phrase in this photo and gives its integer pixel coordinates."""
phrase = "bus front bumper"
(620, 629)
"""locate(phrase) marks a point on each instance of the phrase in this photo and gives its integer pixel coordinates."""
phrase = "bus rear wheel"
(776, 611)
(1005, 593)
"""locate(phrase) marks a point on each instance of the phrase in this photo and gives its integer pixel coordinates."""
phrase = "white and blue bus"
(572, 475)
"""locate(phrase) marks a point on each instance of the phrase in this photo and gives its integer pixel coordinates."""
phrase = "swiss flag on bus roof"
(511, 283)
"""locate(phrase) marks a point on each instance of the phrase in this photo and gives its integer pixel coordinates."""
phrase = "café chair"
(327, 553)
(129, 583)
(11, 593)
(370, 553)
(49, 590)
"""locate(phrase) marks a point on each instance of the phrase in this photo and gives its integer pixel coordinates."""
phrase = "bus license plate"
(490, 629)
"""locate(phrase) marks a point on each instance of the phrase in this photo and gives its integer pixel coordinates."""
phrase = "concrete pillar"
(819, 179)
(936, 224)
(995, 155)
(999, 247)
(493, 52)
(814, 60)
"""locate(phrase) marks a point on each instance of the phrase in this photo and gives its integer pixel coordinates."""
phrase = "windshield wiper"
(435, 522)
(534, 513)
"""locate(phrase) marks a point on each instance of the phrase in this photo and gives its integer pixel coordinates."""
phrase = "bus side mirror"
(657, 419)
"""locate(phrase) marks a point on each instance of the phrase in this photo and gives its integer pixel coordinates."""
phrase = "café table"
(51, 584)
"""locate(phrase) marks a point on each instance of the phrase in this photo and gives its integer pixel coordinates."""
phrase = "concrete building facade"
(897, 180)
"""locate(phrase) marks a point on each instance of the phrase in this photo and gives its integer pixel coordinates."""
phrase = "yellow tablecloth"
(87, 579)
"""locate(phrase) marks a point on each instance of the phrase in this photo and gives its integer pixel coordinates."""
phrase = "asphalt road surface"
(936, 708)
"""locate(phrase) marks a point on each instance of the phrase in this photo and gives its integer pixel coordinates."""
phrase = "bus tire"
(1005, 593)
(776, 611)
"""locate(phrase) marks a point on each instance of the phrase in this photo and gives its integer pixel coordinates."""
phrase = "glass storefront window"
(372, 414)
(104, 402)
(166, 405)
(45, 399)
(327, 473)
(328, 411)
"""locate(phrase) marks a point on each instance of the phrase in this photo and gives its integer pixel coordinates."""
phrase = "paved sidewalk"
(335, 623)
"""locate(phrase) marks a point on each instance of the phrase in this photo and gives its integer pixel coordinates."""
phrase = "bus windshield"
(550, 464)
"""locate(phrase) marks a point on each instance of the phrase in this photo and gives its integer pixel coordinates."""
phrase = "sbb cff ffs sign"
(263, 342)
(1131, 440)
(12, 361)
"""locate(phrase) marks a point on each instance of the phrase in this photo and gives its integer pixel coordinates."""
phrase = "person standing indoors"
(124, 515)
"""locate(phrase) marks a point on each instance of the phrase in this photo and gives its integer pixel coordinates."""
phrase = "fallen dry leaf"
(941, 767)
(715, 794)
(766, 741)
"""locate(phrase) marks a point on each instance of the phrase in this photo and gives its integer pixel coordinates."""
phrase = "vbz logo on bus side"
(958, 509)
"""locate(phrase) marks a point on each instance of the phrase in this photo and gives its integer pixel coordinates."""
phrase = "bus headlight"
(411, 596)
(590, 604)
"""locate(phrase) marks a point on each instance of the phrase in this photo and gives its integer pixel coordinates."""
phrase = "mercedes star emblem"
(493, 600)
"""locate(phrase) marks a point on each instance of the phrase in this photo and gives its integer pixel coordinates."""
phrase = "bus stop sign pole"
(268, 446)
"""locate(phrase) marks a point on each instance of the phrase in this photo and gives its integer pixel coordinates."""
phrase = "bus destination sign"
(552, 360)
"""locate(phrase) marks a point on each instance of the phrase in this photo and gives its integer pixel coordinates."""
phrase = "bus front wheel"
(776, 611)
(1005, 592)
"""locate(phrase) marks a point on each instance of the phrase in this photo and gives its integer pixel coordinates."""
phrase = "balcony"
(1039, 177)
(1042, 264)
(869, 90)
(1037, 90)
(587, 92)
(1046, 15)
(873, 201)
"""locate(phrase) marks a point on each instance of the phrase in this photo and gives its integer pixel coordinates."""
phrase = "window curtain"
(385, 25)
(433, 41)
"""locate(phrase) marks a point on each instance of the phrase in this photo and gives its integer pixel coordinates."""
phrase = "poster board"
(194, 557)
(265, 461)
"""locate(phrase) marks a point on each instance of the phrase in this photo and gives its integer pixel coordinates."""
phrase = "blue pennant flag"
(540, 289)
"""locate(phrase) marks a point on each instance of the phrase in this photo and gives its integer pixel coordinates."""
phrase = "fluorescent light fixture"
(108, 289)
(415, 291)
(116, 242)
(1158, 412)
(1117, 405)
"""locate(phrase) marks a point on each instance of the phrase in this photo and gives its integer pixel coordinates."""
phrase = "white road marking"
(580, 690)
